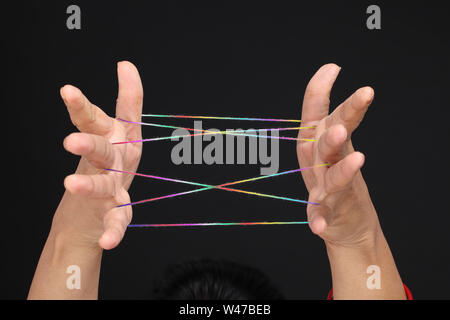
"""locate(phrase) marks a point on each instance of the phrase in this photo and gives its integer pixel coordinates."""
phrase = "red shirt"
(407, 291)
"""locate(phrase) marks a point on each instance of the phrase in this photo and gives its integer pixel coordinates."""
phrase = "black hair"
(207, 279)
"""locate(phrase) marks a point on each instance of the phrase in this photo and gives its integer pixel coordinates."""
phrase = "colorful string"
(215, 224)
(218, 118)
(221, 186)
(221, 132)
(205, 132)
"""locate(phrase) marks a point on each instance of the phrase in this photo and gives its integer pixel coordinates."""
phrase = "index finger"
(351, 112)
(86, 116)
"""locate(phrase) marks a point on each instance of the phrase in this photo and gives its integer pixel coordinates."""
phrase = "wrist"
(364, 242)
(354, 268)
(74, 225)
(64, 258)
(67, 241)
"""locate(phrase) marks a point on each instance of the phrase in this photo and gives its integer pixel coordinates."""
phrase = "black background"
(231, 59)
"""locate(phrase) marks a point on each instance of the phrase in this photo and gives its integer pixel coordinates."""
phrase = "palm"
(339, 188)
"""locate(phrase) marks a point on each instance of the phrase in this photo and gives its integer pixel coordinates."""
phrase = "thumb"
(130, 98)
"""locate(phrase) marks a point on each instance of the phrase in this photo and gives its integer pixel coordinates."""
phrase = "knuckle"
(109, 153)
(140, 98)
(107, 186)
(91, 146)
(104, 150)
(136, 156)
(91, 185)
(331, 185)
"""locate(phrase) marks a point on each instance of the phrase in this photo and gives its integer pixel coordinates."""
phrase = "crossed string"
(223, 186)
(210, 132)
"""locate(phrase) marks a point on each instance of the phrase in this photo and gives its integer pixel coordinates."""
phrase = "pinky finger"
(116, 222)
(318, 218)
(339, 176)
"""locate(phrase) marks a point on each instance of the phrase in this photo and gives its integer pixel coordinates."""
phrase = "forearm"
(66, 262)
(352, 277)
(88, 218)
